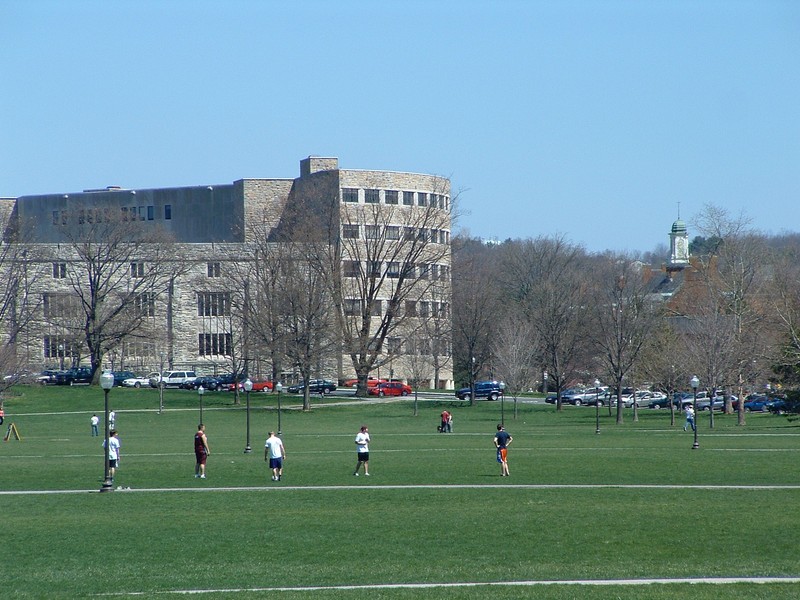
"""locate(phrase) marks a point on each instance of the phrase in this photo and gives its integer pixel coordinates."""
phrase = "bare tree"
(116, 269)
(516, 349)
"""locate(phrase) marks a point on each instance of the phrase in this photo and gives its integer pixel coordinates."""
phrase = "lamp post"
(695, 383)
(200, 391)
(248, 387)
(106, 382)
(544, 383)
(61, 354)
(161, 386)
(472, 383)
(502, 404)
(279, 389)
(597, 405)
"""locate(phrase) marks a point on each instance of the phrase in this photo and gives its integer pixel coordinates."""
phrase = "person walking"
(95, 421)
(201, 451)
(362, 450)
(502, 440)
(112, 420)
(113, 453)
(274, 453)
(445, 421)
(689, 418)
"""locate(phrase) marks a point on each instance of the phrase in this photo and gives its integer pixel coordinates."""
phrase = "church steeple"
(678, 245)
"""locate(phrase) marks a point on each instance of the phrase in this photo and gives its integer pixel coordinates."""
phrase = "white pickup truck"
(173, 378)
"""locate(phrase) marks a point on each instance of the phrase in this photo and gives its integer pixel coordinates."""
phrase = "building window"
(142, 213)
(151, 213)
(167, 212)
(394, 345)
(352, 307)
(350, 232)
(214, 344)
(59, 270)
(145, 304)
(422, 199)
(372, 196)
(376, 308)
(408, 198)
(409, 234)
(393, 269)
(423, 309)
(423, 270)
(410, 271)
(213, 269)
(373, 268)
(372, 232)
(55, 217)
(392, 232)
(351, 268)
(350, 194)
(390, 196)
(137, 269)
(411, 308)
(213, 304)
(434, 272)
(59, 305)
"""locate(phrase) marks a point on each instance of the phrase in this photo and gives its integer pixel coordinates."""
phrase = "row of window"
(377, 196)
(103, 214)
(411, 308)
(137, 270)
(394, 269)
(422, 346)
(351, 231)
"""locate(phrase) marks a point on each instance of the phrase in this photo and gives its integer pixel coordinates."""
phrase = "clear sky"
(587, 119)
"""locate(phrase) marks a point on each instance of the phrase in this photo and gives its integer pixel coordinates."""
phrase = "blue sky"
(586, 119)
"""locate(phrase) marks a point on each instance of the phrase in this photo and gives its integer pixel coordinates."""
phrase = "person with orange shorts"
(502, 440)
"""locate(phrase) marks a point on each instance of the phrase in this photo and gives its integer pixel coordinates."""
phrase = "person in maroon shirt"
(201, 451)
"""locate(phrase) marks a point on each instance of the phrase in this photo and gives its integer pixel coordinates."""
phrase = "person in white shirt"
(362, 448)
(95, 420)
(689, 418)
(113, 453)
(274, 452)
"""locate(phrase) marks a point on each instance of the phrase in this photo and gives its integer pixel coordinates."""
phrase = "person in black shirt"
(501, 441)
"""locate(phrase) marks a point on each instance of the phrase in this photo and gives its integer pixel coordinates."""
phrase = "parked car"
(120, 376)
(137, 382)
(48, 376)
(490, 390)
(315, 386)
(208, 382)
(552, 398)
(74, 376)
(226, 379)
(258, 386)
(717, 401)
(371, 382)
(173, 378)
(758, 404)
(391, 388)
(637, 397)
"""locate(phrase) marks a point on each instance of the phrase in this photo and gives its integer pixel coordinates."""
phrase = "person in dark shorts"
(501, 441)
(274, 452)
(362, 446)
(201, 451)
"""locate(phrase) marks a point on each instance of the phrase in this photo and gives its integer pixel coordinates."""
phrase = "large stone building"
(388, 230)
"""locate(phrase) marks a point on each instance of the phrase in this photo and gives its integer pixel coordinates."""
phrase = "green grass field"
(632, 503)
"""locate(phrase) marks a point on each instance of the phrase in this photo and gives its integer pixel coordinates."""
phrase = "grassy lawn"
(578, 506)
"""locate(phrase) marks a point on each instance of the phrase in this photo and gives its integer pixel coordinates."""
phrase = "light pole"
(695, 383)
(472, 383)
(161, 386)
(200, 391)
(279, 389)
(106, 382)
(544, 383)
(248, 387)
(502, 404)
(597, 405)
(61, 354)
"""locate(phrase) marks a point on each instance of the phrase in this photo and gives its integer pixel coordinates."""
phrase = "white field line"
(475, 584)
(587, 486)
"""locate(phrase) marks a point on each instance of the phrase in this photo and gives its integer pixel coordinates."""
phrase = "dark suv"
(74, 376)
(483, 389)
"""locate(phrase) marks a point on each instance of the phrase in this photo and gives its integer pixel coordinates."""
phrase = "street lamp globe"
(248, 385)
(694, 382)
(107, 380)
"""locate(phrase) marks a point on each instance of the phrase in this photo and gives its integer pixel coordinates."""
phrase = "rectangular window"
(372, 232)
(373, 268)
(55, 217)
(59, 270)
(392, 232)
(393, 269)
(167, 212)
(213, 269)
(350, 232)
(142, 213)
(411, 308)
(137, 269)
(422, 199)
(409, 234)
(145, 304)
(408, 198)
(394, 345)
(390, 196)
(376, 308)
(351, 268)
(213, 304)
(151, 213)
(352, 307)
(434, 272)
(350, 194)
(410, 270)
(372, 196)
(423, 271)
(214, 344)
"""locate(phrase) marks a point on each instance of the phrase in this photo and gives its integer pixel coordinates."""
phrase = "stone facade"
(211, 229)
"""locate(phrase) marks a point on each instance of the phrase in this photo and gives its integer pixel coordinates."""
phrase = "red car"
(390, 388)
(371, 382)
(258, 386)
